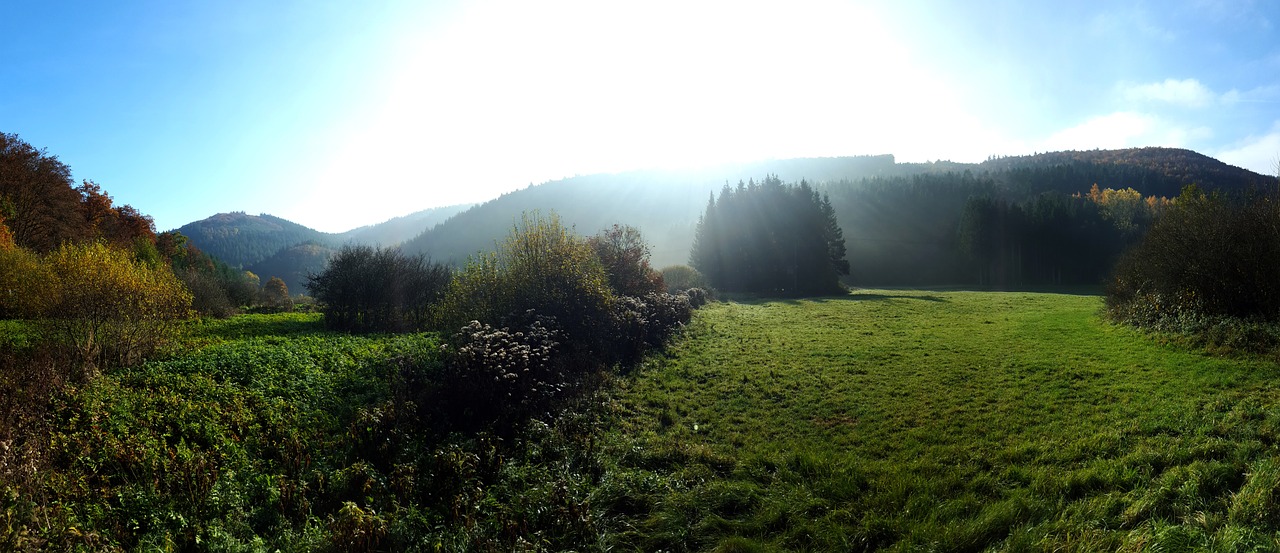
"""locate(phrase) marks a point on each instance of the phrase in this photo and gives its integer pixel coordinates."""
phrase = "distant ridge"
(666, 204)
(272, 246)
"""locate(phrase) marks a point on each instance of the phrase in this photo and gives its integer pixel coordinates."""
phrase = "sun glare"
(524, 92)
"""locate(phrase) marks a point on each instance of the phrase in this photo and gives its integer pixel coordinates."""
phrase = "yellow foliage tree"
(24, 284)
(6, 236)
(110, 308)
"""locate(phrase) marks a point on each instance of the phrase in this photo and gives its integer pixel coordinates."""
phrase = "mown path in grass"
(953, 421)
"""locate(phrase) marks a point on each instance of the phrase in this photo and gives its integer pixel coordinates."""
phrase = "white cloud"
(1256, 153)
(1262, 94)
(1186, 92)
(1125, 129)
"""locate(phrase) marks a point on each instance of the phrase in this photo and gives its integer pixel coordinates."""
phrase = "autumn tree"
(109, 308)
(275, 295)
(36, 189)
(6, 236)
(625, 256)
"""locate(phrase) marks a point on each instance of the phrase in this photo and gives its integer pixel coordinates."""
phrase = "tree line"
(988, 230)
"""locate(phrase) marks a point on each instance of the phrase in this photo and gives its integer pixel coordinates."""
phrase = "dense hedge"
(1205, 256)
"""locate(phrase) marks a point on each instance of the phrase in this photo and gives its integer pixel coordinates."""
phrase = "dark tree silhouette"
(367, 289)
(770, 238)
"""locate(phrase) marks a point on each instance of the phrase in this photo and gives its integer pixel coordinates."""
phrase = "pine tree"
(768, 237)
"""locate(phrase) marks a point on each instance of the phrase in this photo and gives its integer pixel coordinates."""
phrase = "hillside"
(896, 216)
(666, 205)
(292, 264)
(265, 244)
(240, 240)
(394, 231)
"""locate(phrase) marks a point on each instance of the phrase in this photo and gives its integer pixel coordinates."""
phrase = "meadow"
(880, 420)
(948, 421)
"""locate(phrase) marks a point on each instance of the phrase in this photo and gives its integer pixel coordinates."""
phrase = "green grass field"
(950, 421)
(897, 420)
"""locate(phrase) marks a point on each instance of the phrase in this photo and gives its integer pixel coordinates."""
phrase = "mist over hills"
(891, 212)
(271, 246)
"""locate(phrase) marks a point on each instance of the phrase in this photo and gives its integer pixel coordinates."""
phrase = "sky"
(341, 114)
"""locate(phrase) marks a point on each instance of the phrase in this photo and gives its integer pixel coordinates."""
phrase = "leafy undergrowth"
(271, 434)
(957, 421)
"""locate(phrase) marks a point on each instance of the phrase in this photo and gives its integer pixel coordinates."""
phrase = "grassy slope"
(949, 421)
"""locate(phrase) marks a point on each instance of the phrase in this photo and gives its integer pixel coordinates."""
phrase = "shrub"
(682, 277)
(637, 325)
(109, 308)
(629, 326)
(1203, 257)
(501, 376)
(625, 257)
(366, 289)
(208, 295)
(666, 314)
(698, 297)
(25, 284)
(541, 268)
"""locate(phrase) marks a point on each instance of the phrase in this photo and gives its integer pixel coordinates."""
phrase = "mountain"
(394, 231)
(240, 240)
(1152, 171)
(665, 205)
(869, 191)
(271, 246)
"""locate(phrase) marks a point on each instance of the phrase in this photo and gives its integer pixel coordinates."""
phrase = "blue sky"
(340, 114)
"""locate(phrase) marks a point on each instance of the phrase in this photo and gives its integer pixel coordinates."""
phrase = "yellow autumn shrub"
(24, 284)
(109, 308)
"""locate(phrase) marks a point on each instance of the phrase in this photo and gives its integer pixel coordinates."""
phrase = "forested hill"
(665, 205)
(243, 240)
(293, 263)
(239, 239)
(896, 216)
(1152, 171)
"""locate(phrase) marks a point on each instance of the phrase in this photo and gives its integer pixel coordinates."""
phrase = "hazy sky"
(340, 114)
